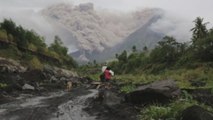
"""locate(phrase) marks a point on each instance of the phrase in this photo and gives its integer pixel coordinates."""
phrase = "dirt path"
(53, 106)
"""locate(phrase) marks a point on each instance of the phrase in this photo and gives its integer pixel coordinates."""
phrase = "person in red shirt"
(107, 74)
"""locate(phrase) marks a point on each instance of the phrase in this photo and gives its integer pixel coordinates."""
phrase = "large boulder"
(156, 92)
(196, 113)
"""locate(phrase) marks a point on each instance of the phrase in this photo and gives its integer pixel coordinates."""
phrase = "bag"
(102, 77)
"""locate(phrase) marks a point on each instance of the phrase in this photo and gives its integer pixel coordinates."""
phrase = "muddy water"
(53, 106)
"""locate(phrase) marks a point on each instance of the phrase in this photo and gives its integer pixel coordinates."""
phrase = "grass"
(95, 77)
(182, 76)
(127, 88)
(171, 111)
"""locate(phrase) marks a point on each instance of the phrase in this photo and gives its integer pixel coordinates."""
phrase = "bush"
(35, 64)
(32, 47)
(3, 85)
(3, 35)
(10, 52)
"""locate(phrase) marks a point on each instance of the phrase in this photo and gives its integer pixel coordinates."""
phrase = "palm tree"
(199, 31)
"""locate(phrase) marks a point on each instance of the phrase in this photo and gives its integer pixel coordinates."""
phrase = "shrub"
(35, 63)
(3, 85)
(10, 52)
(3, 35)
(32, 47)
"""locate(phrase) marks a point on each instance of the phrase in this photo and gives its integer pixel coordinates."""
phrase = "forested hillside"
(30, 48)
(170, 54)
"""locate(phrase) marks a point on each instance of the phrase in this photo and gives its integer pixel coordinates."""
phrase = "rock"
(196, 113)
(109, 98)
(156, 92)
(5, 99)
(59, 71)
(9, 65)
(28, 87)
(53, 79)
(198, 83)
(202, 95)
(63, 79)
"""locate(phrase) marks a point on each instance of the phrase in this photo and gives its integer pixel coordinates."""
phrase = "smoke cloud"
(117, 25)
(171, 25)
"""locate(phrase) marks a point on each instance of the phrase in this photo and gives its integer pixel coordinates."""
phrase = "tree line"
(170, 54)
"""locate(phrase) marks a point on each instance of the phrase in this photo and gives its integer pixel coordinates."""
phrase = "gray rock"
(159, 91)
(196, 113)
(53, 79)
(28, 87)
(9, 65)
(108, 98)
(111, 99)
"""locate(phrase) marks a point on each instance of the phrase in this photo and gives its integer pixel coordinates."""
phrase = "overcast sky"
(26, 12)
(184, 8)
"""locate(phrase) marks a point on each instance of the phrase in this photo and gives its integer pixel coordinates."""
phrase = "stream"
(59, 105)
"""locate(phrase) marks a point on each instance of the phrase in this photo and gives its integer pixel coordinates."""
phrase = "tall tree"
(123, 56)
(167, 51)
(199, 31)
(58, 47)
(134, 49)
(9, 26)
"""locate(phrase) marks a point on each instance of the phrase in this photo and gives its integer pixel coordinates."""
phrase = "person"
(103, 76)
(107, 74)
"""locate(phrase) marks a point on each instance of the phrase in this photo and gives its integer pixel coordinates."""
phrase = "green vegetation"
(92, 71)
(182, 76)
(128, 88)
(170, 54)
(30, 48)
(171, 111)
(3, 85)
(35, 63)
(183, 62)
